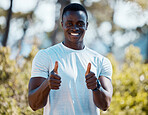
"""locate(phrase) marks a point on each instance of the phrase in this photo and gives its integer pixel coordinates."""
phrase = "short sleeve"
(40, 65)
(106, 68)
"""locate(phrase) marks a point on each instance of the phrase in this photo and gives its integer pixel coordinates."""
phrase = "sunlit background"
(114, 25)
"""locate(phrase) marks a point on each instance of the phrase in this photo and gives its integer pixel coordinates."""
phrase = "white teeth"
(74, 34)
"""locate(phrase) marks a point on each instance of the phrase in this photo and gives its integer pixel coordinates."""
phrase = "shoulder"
(54, 47)
(94, 53)
(49, 50)
(102, 59)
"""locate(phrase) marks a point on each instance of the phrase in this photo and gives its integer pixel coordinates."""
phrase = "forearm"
(102, 98)
(38, 97)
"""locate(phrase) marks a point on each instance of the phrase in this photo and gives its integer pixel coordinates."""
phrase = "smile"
(74, 34)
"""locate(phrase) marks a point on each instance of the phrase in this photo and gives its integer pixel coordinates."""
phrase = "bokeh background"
(117, 29)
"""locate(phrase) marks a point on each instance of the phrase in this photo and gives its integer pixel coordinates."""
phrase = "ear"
(86, 25)
(62, 23)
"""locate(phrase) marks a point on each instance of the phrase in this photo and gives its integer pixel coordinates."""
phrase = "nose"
(75, 27)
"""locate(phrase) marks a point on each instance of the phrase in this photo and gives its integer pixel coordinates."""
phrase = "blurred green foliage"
(130, 82)
(14, 84)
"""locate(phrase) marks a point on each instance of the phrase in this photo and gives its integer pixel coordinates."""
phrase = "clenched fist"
(54, 80)
(91, 80)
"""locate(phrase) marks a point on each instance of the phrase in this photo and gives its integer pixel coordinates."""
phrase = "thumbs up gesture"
(54, 80)
(91, 80)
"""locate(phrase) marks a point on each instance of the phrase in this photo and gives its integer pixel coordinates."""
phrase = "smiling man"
(74, 24)
(69, 78)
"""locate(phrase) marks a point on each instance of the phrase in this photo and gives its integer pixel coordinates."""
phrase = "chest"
(72, 68)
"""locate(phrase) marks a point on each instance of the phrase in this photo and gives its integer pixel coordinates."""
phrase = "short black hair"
(74, 7)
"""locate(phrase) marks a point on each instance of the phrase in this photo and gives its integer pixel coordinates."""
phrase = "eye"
(69, 24)
(80, 24)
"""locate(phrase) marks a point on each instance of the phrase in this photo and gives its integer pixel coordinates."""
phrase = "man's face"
(74, 25)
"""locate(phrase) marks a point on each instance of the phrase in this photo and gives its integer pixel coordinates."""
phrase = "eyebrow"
(78, 21)
(81, 21)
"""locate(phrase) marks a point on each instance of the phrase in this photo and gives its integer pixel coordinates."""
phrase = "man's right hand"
(54, 80)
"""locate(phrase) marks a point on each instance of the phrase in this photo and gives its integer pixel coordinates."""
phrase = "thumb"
(56, 67)
(88, 69)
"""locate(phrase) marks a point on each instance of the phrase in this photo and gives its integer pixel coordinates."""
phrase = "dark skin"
(74, 25)
(74, 22)
(40, 87)
(101, 97)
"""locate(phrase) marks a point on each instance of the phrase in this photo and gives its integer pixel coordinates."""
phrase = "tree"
(14, 81)
(130, 84)
(8, 24)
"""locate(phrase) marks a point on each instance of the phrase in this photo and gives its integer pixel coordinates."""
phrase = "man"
(69, 78)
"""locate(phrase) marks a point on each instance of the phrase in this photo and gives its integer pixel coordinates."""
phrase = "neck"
(75, 46)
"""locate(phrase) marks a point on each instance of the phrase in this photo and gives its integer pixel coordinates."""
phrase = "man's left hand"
(91, 80)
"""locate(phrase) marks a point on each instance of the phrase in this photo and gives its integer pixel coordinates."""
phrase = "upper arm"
(106, 84)
(40, 69)
(105, 75)
(106, 68)
(41, 64)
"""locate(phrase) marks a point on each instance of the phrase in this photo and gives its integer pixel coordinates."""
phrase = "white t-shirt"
(73, 97)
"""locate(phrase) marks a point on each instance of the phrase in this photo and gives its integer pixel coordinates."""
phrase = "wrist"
(98, 86)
